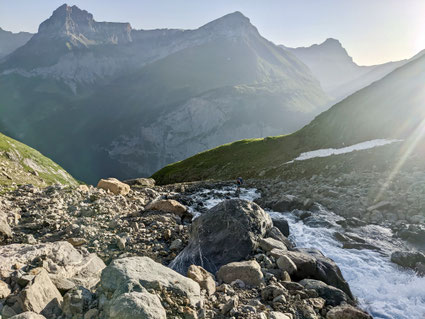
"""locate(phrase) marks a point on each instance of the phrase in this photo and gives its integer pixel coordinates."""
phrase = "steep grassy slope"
(20, 164)
(390, 108)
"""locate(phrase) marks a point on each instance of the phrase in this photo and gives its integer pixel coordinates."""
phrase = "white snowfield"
(336, 151)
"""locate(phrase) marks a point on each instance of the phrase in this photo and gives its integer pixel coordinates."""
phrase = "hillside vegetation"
(371, 113)
(21, 164)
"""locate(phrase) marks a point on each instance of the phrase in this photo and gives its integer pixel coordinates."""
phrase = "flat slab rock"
(128, 281)
(247, 271)
(63, 261)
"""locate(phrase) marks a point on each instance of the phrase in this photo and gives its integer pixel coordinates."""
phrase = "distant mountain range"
(103, 99)
(338, 74)
(9, 41)
(390, 108)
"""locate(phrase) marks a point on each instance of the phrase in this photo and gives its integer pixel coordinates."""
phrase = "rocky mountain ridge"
(338, 74)
(159, 94)
(10, 41)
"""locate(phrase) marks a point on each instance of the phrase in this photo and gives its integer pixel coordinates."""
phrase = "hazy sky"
(372, 31)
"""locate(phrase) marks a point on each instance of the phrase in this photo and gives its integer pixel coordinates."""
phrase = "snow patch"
(336, 151)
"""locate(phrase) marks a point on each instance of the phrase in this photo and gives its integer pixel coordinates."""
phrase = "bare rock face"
(114, 186)
(168, 206)
(82, 30)
(247, 271)
(226, 233)
(41, 296)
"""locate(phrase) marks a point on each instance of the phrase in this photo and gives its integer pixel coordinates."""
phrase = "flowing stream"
(382, 288)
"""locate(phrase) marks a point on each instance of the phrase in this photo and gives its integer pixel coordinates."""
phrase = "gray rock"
(41, 296)
(268, 244)
(76, 302)
(228, 232)
(136, 305)
(176, 244)
(4, 290)
(28, 315)
(332, 295)
(141, 182)
(282, 225)
(5, 231)
(64, 285)
(327, 271)
(408, 259)
(247, 271)
(66, 262)
(285, 263)
(127, 280)
(203, 278)
(347, 312)
(279, 315)
(275, 233)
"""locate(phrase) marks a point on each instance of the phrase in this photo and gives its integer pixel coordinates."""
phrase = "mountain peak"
(80, 28)
(332, 41)
(231, 24)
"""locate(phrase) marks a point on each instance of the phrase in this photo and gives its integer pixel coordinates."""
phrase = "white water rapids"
(382, 288)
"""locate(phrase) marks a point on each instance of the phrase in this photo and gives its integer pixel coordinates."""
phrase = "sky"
(372, 31)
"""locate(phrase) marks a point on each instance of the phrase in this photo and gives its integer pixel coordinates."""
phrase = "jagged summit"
(331, 41)
(80, 28)
(231, 24)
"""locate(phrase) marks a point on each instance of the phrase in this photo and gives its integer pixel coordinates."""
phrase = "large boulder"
(114, 186)
(311, 263)
(168, 206)
(247, 271)
(332, 295)
(61, 260)
(328, 271)
(408, 259)
(226, 233)
(136, 282)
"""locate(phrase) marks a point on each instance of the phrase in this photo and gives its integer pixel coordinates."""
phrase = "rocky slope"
(164, 95)
(10, 41)
(21, 164)
(338, 74)
(49, 262)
